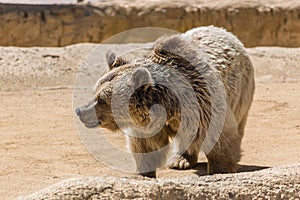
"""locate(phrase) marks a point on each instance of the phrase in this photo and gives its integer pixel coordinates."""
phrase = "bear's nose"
(77, 111)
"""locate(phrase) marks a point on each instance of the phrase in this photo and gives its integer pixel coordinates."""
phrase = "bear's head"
(128, 95)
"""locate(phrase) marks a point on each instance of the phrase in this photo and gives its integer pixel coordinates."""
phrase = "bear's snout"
(78, 112)
(87, 115)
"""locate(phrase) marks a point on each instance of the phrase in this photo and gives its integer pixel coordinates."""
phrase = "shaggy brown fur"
(198, 57)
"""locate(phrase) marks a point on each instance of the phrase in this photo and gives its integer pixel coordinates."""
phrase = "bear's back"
(227, 54)
(221, 46)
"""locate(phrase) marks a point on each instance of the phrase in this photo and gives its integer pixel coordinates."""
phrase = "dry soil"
(39, 143)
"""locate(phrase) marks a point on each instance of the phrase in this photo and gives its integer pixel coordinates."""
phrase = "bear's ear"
(113, 61)
(140, 77)
(174, 124)
(110, 58)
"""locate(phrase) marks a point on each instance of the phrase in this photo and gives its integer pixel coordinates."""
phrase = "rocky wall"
(256, 23)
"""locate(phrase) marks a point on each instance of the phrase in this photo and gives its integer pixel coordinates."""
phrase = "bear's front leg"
(188, 158)
(185, 151)
(226, 153)
(149, 153)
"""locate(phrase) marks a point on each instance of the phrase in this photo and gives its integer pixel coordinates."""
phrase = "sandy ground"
(39, 143)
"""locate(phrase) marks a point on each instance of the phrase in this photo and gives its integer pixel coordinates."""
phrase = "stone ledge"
(256, 23)
(273, 183)
(28, 68)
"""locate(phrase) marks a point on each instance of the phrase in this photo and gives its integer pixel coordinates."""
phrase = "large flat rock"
(276, 183)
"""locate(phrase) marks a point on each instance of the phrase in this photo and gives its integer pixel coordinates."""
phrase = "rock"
(240, 186)
(256, 23)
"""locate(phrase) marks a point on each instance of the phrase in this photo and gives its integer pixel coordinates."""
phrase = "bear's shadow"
(201, 168)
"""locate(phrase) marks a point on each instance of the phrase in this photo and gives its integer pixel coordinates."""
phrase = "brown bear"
(189, 92)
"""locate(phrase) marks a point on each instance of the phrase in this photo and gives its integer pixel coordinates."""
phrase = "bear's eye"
(101, 101)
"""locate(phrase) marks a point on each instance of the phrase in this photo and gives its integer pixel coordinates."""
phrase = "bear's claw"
(181, 164)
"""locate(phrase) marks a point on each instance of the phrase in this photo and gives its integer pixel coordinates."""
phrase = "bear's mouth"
(92, 125)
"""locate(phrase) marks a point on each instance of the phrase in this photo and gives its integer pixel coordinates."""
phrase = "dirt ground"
(39, 143)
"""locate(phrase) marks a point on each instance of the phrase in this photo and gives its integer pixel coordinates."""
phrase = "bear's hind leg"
(242, 125)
